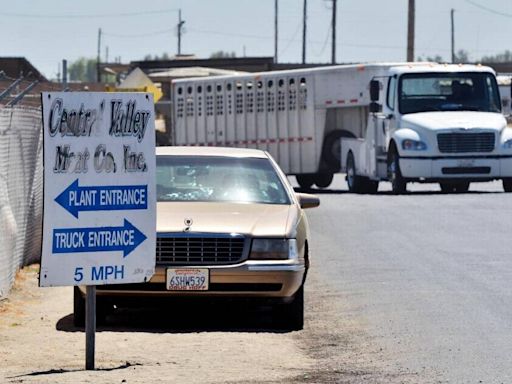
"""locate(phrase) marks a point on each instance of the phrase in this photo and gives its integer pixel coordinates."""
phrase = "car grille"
(199, 250)
(465, 142)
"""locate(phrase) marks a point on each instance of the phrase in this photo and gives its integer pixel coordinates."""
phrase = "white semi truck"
(397, 121)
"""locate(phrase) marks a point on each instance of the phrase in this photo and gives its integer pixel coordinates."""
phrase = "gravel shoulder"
(39, 344)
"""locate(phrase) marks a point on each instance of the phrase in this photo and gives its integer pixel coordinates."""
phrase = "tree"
(436, 58)
(462, 56)
(165, 56)
(83, 69)
(505, 57)
(222, 55)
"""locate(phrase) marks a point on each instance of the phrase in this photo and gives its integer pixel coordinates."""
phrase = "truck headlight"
(413, 145)
(274, 249)
(507, 144)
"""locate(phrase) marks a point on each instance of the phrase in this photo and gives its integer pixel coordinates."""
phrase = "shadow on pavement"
(324, 191)
(183, 318)
(58, 371)
(327, 191)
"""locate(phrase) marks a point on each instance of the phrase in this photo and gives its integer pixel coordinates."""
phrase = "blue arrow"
(97, 239)
(75, 199)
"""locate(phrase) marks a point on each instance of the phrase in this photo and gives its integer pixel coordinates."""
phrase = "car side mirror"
(307, 200)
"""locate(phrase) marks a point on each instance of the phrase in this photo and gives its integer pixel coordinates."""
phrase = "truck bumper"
(468, 168)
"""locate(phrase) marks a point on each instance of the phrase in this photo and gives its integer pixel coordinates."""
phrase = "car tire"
(323, 180)
(507, 185)
(398, 184)
(290, 316)
(102, 309)
(78, 308)
(305, 181)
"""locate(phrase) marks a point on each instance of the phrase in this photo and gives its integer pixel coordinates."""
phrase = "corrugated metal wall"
(21, 191)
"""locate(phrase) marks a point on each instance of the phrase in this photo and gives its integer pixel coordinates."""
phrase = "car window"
(213, 178)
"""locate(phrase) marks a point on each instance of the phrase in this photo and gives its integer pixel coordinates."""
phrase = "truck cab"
(432, 123)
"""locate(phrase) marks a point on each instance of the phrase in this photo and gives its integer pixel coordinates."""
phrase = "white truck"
(436, 122)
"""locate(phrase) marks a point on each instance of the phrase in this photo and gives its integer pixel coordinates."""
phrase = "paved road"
(428, 275)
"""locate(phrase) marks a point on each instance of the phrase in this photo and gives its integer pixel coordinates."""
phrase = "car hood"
(455, 119)
(248, 219)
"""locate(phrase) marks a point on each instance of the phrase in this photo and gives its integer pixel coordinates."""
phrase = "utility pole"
(275, 31)
(180, 27)
(453, 36)
(333, 54)
(98, 71)
(410, 32)
(304, 22)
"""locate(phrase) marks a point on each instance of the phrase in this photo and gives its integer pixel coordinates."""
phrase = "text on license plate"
(187, 279)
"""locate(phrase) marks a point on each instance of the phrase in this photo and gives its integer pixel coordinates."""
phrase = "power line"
(84, 16)
(474, 3)
(131, 36)
(326, 40)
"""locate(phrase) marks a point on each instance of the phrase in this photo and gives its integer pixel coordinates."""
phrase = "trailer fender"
(331, 148)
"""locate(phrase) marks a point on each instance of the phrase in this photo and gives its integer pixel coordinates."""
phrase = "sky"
(45, 32)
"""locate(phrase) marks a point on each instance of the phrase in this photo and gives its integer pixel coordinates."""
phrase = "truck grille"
(191, 250)
(465, 142)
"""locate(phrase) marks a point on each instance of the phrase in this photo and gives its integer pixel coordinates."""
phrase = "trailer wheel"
(507, 185)
(305, 181)
(331, 149)
(398, 184)
(355, 183)
(323, 180)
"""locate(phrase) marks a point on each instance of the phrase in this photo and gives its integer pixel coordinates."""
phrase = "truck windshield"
(462, 91)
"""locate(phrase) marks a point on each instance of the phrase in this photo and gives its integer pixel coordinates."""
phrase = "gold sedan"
(229, 225)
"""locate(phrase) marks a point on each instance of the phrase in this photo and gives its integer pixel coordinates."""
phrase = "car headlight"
(507, 144)
(274, 249)
(413, 145)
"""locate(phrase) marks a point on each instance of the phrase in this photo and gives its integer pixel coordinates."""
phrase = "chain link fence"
(21, 190)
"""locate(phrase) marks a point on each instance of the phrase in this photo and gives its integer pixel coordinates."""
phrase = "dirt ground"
(39, 344)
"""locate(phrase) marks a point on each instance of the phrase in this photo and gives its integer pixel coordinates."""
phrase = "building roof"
(16, 67)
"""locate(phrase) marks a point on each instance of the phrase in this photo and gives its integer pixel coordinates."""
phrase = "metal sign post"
(90, 326)
(99, 224)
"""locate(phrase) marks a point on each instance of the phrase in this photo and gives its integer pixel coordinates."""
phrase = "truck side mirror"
(375, 107)
(374, 90)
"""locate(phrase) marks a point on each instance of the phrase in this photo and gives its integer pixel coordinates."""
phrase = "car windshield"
(215, 179)
(468, 91)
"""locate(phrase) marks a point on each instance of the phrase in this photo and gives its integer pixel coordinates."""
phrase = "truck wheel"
(290, 316)
(507, 185)
(371, 186)
(323, 180)
(355, 183)
(305, 181)
(398, 184)
(78, 308)
(331, 149)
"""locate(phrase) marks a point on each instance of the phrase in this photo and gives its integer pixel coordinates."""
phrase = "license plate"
(466, 163)
(187, 279)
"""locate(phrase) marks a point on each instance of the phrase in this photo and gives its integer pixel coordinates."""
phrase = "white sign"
(99, 224)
